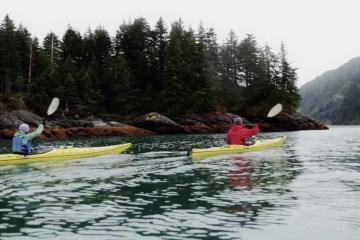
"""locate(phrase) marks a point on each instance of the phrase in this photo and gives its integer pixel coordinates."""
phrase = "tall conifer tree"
(10, 57)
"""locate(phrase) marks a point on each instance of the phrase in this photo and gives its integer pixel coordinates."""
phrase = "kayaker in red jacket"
(238, 133)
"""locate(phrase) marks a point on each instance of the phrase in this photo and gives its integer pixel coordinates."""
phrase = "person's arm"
(256, 129)
(34, 134)
(251, 129)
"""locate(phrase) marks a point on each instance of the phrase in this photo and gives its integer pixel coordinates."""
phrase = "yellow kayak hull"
(197, 153)
(63, 153)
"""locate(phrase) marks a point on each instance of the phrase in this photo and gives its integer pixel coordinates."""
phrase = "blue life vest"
(19, 147)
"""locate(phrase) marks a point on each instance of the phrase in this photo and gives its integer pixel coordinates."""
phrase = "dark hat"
(238, 121)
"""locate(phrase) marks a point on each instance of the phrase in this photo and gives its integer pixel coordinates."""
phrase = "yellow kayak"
(63, 153)
(227, 149)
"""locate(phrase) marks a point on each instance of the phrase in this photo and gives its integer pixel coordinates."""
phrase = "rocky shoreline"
(150, 124)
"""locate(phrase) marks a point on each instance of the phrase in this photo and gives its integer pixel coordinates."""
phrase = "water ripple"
(155, 191)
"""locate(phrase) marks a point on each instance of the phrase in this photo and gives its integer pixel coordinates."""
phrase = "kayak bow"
(63, 153)
(227, 149)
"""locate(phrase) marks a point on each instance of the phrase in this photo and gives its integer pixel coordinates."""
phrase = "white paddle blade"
(275, 110)
(53, 106)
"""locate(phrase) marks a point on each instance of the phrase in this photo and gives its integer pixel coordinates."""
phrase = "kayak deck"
(63, 153)
(228, 149)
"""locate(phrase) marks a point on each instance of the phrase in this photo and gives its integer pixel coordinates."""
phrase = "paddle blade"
(275, 110)
(53, 106)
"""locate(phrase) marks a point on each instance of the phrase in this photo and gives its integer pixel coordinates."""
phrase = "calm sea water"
(308, 189)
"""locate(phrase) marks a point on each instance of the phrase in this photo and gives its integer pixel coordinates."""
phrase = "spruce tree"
(67, 92)
(173, 97)
(52, 47)
(10, 57)
(251, 69)
(203, 93)
(231, 95)
(72, 46)
(134, 40)
(288, 81)
(160, 41)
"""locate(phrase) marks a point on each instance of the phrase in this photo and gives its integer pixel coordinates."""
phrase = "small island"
(144, 80)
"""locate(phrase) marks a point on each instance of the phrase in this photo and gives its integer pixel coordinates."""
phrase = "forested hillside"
(334, 97)
(143, 69)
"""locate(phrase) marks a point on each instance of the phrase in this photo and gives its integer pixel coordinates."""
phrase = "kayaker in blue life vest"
(238, 133)
(22, 140)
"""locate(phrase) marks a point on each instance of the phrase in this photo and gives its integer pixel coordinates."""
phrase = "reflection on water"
(309, 189)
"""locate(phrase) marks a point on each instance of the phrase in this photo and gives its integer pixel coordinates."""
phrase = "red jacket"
(238, 133)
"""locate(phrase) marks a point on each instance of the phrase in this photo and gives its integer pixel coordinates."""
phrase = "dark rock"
(61, 133)
(12, 119)
(212, 118)
(158, 123)
(152, 123)
(291, 121)
(67, 123)
(116, 124)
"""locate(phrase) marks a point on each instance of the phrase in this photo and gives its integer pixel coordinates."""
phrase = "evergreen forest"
(170, 70)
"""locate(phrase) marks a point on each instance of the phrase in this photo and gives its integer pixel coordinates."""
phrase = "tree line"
(143, 69)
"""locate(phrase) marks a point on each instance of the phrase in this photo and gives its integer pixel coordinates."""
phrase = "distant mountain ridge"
(334, 97)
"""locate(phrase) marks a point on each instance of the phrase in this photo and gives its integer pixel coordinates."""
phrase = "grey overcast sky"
(319, 35)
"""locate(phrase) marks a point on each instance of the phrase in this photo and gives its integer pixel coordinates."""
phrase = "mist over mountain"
(334, 97)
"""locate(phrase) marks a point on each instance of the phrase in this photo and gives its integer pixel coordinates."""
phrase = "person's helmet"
(24, 127)
(238, 121)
